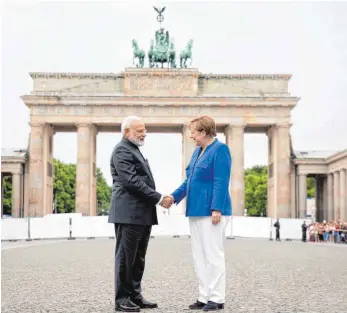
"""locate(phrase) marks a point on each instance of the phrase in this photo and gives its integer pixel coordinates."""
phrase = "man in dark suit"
(133, 212)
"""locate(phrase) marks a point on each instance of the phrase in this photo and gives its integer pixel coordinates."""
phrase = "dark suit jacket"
(134, 197)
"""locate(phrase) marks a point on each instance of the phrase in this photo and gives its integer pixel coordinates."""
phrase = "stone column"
(272, 153)
(36, 169)
(16, 194)
(26, 189)
(279, 185)
(2, 195)
(336, 196)
(325, 198)
(343, 195)
(302, 195)
(319, 199)
(48, 169)
(330, 196)
(283, 168)
(41, 163)
(86, 170)
(188, 147)
(297, 196)
(317, 194)
(293, 192)
(234, 135)
(40, 169)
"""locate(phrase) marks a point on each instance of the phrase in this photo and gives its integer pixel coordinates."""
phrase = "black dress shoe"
(126, 306)
(197, 305)
(213, 306)
(144, 304)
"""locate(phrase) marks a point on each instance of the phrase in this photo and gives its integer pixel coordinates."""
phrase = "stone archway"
(166, 99)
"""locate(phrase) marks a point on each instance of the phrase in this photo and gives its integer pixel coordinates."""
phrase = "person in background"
(304, 231)
(277, 226)
(326, 231)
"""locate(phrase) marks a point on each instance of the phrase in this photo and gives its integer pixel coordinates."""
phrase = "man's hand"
(216, 216)
(167, 201)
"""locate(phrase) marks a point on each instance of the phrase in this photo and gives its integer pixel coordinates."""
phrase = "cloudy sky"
(307, 40)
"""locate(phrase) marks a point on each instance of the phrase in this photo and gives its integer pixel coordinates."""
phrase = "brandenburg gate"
(166, 99)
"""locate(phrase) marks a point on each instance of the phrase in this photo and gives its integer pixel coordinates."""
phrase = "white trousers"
(208, 255)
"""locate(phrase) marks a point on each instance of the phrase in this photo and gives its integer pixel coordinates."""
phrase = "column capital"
(16, 173)
(284, 125)
(233, 126)
(78, 125)
(237, 125)
(90, 126)
(36, 124)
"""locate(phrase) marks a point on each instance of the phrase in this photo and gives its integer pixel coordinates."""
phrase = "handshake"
(167, 201)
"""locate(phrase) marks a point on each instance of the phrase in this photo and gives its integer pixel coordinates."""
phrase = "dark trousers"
(304, 237)
(131, 248)
(278, 234)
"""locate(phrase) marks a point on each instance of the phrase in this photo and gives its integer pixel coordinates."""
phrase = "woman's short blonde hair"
(205, 123)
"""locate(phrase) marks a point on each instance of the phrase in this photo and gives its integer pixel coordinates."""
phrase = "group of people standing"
(332, 231)
(329, 232)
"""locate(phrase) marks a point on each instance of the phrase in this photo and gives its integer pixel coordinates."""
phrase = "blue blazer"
(207, 182)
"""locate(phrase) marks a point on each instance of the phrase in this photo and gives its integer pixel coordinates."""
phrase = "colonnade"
(41, 168)
(331, 195)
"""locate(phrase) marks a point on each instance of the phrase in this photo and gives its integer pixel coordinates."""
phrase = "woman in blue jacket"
(208, 206)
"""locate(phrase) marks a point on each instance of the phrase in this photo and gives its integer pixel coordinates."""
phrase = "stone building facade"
(15, 163)
(90, 103)
(330, 172)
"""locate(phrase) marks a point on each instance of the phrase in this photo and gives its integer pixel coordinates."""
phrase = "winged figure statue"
(159, 10)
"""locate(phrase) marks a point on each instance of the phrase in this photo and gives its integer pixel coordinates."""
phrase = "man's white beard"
(137, 142)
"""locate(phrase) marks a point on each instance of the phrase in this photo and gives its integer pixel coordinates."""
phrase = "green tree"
(64, 188)
(103, 193)
(311, 187)
(256, 190)
(7, 194)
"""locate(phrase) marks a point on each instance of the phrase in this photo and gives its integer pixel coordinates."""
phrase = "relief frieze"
(161, 85)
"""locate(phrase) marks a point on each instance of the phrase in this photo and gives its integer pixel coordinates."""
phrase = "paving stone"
(262, 276)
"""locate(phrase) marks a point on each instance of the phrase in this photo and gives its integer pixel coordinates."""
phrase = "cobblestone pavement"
(262, 276)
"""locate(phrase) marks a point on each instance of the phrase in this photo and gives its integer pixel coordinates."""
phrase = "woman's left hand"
(216, 216)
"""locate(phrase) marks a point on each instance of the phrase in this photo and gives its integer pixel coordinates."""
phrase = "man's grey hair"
(127, 122)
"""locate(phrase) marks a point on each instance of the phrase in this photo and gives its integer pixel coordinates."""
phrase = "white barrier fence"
(71, 226)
